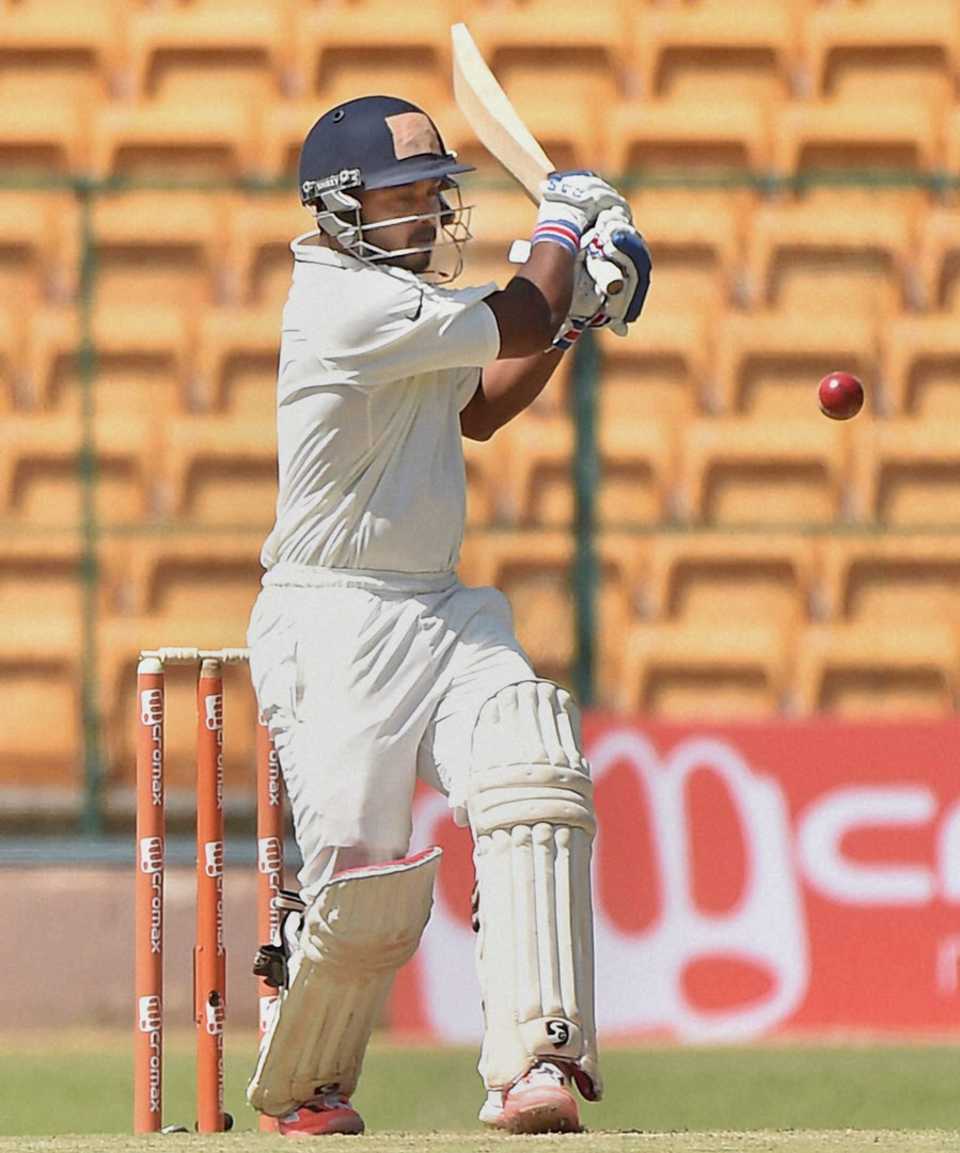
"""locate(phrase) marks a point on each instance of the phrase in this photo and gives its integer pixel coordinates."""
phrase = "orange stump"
(148, 914)
(210, 954)
(269, 868)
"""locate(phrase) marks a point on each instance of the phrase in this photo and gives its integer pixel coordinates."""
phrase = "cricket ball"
(841, 395)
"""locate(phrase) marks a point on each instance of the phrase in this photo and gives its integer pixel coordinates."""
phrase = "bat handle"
(606, 275)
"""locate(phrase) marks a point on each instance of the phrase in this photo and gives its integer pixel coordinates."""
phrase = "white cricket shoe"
(541, 1101)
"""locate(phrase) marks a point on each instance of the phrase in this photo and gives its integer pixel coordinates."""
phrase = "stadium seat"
(257, 256)
(858, 50)
(50, 57)
(42, 137)
(221, 471)
(537, 478)
(921, 360)
(141, 358)
(637, 473)
(12, 356)
(852, 260)
(712, 578)
(951, 153)
(910, 472)
(696, 240)
(39, 246)
(205, 53)
(41, 481)
(873, 670)
(41, 595)
(938, 259)
(764, 472)
(377, 47)
(876, 132)
(695, 52)
(662, 134)
(768, 363)
(236, 362)
(692, 670)
(160, 247)
(658, 370)
(892, 580)
(165, 139)
(533, 570)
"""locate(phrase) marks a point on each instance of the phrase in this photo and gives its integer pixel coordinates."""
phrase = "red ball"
(841, 395)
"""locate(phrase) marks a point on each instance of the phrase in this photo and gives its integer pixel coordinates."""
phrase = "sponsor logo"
(269, 855)
(151, 707)
(149, 1014)
(213, 1016)
(213, 711)
(151, 854)
(150, 1021)
(558, 1033)
(213, 858)
(151, 715)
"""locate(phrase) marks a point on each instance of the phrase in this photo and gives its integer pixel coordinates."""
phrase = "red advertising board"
(749, 879)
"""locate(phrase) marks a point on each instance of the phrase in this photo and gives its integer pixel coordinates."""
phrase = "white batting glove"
(570, 203)
(613, 241)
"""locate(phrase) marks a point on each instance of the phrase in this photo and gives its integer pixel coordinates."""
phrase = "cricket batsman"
(373, 665)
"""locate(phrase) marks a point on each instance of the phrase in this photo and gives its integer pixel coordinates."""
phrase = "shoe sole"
(552, 1113)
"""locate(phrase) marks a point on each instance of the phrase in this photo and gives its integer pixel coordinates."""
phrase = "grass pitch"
(767, 1098)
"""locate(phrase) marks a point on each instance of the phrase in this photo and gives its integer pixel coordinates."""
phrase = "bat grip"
(607, 276)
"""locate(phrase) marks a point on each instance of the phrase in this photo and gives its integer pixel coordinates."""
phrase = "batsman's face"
(418, 199)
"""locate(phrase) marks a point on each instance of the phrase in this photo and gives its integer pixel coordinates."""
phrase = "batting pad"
(364, 924)
(531, 811)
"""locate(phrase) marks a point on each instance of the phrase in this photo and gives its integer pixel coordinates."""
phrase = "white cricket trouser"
(366, 682)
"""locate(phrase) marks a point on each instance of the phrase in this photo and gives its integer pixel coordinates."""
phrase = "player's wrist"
(559, 224)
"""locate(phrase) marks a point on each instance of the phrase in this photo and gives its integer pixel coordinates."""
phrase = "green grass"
(81, 1083)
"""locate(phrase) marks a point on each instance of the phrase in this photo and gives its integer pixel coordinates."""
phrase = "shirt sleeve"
(403, 327)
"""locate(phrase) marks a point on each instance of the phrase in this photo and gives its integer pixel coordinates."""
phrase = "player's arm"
(506, 388)
(534, 305)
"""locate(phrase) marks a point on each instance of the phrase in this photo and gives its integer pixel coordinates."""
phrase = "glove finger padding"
(616, 240)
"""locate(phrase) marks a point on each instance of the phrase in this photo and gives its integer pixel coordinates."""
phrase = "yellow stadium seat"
(852, 259)
(859, 50)
(910, 472)
(696, 240)
(346, 50)
(142, 353)
(922, 356)
(938, 259)
(890, 579)
(207, 53)
(659, 369)
(47, 137)
(41, 482)
(866, 670)
(951, 155)
(533, 570)
(715, 578)
(53, 57)
(159, 247)
(236, 363)
(764, 472)
(221, 470)
(692, 670)
(537, 454)
(39, 246)
(662, 134)
(581, 50)
(172, 138)
(41, 595)
(637, 473)
(768, 363)
(695, 52)
(876, 132)
(12, 357)
(501, 214)
(257, 255)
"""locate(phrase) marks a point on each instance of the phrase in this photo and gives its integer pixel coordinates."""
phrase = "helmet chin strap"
(340, 218)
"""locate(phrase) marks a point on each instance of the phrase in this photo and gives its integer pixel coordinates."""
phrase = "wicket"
(209, 950)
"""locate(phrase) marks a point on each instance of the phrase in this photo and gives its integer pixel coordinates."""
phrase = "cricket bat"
(494, 120)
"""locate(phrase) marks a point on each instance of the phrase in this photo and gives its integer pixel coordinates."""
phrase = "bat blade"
(494, 120)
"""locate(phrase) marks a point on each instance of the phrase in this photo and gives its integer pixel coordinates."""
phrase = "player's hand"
(614, 241)
(578, 198)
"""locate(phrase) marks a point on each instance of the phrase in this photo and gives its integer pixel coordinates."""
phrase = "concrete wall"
(66, 946)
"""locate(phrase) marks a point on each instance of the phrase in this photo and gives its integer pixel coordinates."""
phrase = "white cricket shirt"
(375, 367)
